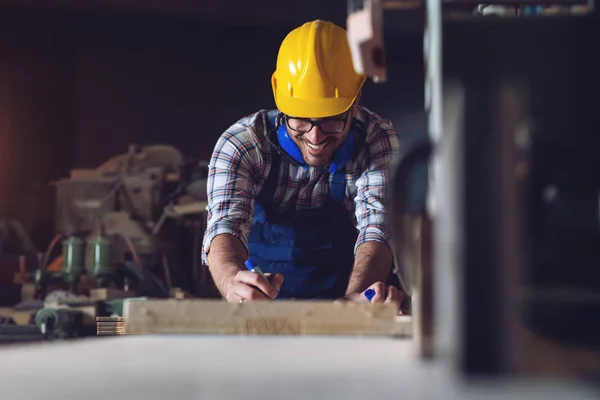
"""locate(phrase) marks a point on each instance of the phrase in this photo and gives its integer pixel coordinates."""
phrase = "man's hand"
(251, 286)
(383, 294)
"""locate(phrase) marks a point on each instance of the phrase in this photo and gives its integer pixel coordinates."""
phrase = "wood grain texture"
(263, 318)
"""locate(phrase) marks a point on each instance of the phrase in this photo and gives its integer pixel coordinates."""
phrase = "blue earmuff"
(340, 157)
(288, 144)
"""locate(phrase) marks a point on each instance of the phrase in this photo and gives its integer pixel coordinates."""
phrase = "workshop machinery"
(131, 227)
(18, 257)
(118, 213)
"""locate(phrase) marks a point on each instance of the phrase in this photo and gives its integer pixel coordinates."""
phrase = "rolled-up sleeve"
(230, 185)
(370, 202)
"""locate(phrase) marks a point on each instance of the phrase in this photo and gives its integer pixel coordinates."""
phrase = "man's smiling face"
(318, 139)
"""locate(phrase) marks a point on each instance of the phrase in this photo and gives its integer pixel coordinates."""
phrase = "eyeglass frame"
(318, 122)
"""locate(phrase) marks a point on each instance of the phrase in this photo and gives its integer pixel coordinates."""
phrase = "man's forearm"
(225, 259)
(372, 264)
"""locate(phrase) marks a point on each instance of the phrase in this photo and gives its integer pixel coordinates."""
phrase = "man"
(301, 189)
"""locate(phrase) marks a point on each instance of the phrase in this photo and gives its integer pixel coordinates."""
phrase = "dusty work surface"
(233, 367)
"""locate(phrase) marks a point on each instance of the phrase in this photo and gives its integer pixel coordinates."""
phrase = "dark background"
(78, 83)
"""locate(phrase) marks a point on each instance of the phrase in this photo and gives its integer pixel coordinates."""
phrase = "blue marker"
(254, 268)
(369, 294)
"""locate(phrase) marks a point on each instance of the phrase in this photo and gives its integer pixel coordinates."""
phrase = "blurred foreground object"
(365, 37)
(514, 187)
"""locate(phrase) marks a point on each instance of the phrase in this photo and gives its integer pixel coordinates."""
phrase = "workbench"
(235, 367)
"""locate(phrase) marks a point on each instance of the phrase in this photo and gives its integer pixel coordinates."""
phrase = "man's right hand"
(251, 286)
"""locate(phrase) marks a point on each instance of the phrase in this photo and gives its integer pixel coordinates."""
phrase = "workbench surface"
(234, 367)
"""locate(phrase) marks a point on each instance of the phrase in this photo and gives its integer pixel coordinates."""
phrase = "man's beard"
(319, 154)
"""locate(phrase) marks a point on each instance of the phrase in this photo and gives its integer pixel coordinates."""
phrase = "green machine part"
(99, 250)
(59, 324)
(73, 258)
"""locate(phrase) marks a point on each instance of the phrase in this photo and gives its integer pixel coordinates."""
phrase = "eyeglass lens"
(327, 125)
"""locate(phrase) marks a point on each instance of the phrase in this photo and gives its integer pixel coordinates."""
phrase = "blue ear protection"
(340, 157)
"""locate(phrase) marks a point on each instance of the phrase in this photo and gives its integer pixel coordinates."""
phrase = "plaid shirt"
(241, 162)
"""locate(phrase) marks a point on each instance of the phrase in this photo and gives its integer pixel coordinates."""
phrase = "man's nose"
(315, 135)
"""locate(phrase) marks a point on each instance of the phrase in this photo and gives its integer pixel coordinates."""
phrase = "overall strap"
(337, 186)
(271, 116)
(267, 193)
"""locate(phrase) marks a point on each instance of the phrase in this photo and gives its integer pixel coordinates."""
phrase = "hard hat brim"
(313, 108)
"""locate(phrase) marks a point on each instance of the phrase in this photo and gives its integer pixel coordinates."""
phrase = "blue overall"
(313, 249)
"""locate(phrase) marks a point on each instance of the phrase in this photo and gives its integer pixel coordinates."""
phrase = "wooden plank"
(144, 316)
(19, 317)
(402, 327)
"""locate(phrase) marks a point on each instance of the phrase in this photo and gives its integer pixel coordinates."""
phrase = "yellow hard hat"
(315, 76)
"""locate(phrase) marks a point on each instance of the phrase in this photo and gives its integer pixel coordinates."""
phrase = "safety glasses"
(329, 126)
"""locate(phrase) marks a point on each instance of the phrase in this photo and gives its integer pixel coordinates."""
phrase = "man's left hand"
(383, 294)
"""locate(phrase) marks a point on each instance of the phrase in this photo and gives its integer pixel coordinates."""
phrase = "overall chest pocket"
(300, 236)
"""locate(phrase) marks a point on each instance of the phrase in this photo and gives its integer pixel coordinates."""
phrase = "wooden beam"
(143, 316)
